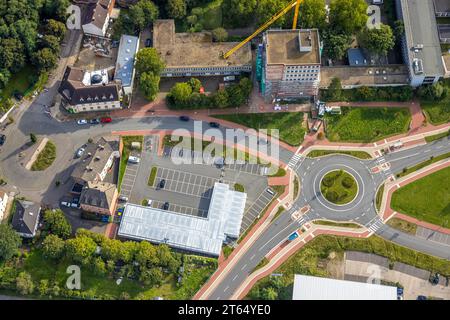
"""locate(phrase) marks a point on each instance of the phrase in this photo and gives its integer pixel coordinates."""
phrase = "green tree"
(270, 293)
(33, 138)
(434, 92)
(336, 44)
(267, 8)
(112, 250)
(51, 42)
(143, 13)
(312, 14)
(246, 86)
(180, 94)
(238, 12)
(348, 16)
(146, 254)
(149, 84)
(9, 242)
(399, 30)
(220, 34)
(53, 247)
(148, 60)
(12, 55)
(43, 287)
(151, 277)
(56, 223)
(377, 40)
(55, 28)
(24, 283)
(45, 59)
(334, 91)
(195, 84)
(176, 9)
(55, 9)
(99, 266)
(81, 249)
(220, 99)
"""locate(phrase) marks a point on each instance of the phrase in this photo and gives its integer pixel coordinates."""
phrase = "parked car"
(82, 121)
(229, 78)
(65, 204)
(123, 199)
(293, 236)
(2, 139)
(18, 95)
(149, 202)
(133, 159)
(80, 152)
(214, 124)
(421, 298)
(162, 183)
(184, 118)
(106, 120)
(166, 206)
(94, 121)
(277, 107)
(148, 42)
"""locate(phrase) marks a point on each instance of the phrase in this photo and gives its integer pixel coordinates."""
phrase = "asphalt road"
(69, 136)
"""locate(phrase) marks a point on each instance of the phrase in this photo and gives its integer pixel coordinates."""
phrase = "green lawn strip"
(261, 264)
(367, 124)
(296, 187)
(402, 225)
(279, 190)
(426, 199)
(227, 250)
(289, 124)
(127, 140)
(379, 197)
(152, 177)
(337, 224)
(423, 164)
(312, 259)
(239, 187)
(437, 112)
(280, 173)
(45, 158)
(437, 136)
(334, 189)
(279, 212)
(358, 154)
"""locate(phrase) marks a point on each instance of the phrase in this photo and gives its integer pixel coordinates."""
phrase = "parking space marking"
(255, 209)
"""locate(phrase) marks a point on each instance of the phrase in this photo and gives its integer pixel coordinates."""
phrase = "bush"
(332, 196)
(347, 182)
(328, 181)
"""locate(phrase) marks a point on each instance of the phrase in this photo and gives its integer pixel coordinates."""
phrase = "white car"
(133, 159)
(149, 202)
(65, 204)
(277, 107)
(123, 199)
(80, 152)
(82, 121)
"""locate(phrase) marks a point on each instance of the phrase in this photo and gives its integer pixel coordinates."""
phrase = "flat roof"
(128, 48)
(421, 29)
(441, 6)
(316, 288)
(186, 232)
(195, 49)
(283, 47)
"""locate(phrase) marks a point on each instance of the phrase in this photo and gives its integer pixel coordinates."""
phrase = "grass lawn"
(309, 260)
(197, 271)
(358, 154)
(127, 140)
(20, 82)
(45, 158)
(152, 177)
(289, 124)
(437, 112)
(437, 136)
(337, 224)
(421, 165)
(403, 225)
(379, 197)
(296, 187)
(280, 173)
(367, 124)
(279, 212)
(339, 187)
(426, 199)
(227, 250)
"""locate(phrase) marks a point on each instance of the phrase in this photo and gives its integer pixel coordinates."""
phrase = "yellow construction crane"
(295, 3)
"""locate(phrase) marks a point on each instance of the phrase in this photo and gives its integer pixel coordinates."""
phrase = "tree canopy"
(9, 242)
(377, 40)
(348, 16)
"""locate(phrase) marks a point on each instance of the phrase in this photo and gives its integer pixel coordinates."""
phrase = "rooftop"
(98, 194)
(125, 59)
(292, 47)
(196, 234)
(422, 40)
(26, 217)
(316, 288)
(194, 49)
(441, 6)
(96, 12)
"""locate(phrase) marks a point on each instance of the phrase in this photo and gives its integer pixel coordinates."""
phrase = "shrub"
(332, 196)
(328, 181)
(347, 182)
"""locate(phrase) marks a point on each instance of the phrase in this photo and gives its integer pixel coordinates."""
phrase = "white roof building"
(125, 71)
(316, 288)
(186, 232)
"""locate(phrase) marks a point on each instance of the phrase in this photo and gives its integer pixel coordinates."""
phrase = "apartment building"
(291, 64)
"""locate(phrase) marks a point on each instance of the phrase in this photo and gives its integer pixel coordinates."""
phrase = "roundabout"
(339, 187)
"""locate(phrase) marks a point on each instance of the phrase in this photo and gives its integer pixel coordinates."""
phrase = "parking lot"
(255, 209)
(128, 179)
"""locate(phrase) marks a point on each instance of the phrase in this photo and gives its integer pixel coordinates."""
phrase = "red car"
(105, 120)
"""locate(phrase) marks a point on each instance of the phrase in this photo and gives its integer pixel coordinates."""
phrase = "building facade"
(3, 203)
(291, 64)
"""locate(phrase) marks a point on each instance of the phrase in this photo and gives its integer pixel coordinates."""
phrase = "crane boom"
(297, 7)
(274, 18)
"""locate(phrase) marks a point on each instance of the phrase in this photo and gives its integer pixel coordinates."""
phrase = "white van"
(133, 159)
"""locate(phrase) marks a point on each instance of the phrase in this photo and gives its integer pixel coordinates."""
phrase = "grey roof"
(125, 59)
(26, 217)
(196, 234)
(75, 92)
(421, 29)
(316, 288)
(95, 157)
(441, 6)
(96, 12)
(98, 194)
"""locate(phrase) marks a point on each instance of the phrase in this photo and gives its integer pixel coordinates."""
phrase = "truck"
(293, 236)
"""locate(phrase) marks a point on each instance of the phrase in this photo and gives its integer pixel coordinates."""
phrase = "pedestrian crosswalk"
(295, 161)
(374, 224)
